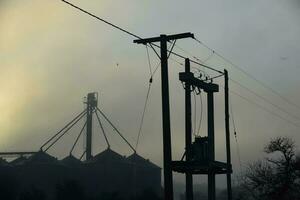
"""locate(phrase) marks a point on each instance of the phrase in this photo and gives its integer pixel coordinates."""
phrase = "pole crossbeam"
(167, 38)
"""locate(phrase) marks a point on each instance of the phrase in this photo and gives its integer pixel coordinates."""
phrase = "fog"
(51, 56)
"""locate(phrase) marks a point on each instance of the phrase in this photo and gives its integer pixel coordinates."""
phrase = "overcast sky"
(51, 56)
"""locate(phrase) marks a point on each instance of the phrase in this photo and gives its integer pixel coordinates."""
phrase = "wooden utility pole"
(188, 134)
(211, 145)
(163, 39)
(200, 155)
(227, 132)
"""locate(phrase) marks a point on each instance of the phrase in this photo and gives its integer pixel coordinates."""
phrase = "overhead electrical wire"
(149, 62)
(195, 57)
(143, 116)
(235, 136)
(261, 97)
(201, 64)
(264, 108)
(171, 49)
(264, 99)
(136, 36)
(264, 85)
(103, 20)
(156, 68)
(146, 99)
(187, 52)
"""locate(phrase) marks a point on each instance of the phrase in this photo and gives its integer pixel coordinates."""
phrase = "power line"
(134, 35)
(143, 115)
(188, 53)
(103, 20)
(249, 75)
(149, 62)
(265, 109)
(146, 100)
(195, 57)
(264, 99)
(235, 136)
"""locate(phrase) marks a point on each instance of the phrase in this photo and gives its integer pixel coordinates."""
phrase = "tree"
(276, 176)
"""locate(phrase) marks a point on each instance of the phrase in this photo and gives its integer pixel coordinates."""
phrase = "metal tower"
(91, 103)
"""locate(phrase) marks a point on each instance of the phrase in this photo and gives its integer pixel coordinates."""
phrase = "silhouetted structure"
(106, 172)
(40, 175)
(200, 155)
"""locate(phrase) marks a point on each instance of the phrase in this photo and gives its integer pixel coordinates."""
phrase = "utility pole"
(227, 132)
(211, 145)
(163, 39)
(91, 105)
(188, 134)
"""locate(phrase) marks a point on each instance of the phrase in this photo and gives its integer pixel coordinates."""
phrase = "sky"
(51, 56)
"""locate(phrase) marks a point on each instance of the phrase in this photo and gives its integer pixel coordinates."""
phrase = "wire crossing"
(264, 85)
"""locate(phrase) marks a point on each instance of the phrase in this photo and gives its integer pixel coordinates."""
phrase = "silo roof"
(139, 160)
(70, 160)
(41, 157)
(108, 155)
(3, 161)
(19, 161)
